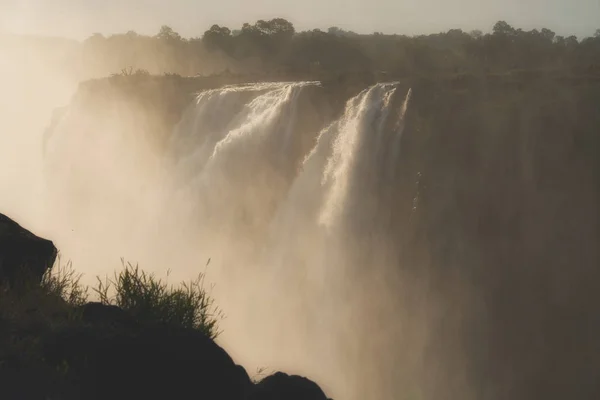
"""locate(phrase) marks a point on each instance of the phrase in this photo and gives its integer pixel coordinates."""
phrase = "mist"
(389, 215)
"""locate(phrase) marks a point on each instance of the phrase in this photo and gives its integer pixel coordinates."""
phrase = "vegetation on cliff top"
(142, 295)
(58, 309)
(275, 47)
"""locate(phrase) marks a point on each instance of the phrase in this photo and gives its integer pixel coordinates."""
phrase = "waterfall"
(329, 217)
(342, 177)
(290, 234)
(288, 242)
(219, 116)
(235, 168)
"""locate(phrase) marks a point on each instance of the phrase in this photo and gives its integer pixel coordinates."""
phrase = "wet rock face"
(24, 257)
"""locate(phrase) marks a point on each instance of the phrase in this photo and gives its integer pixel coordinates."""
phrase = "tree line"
(275, 46)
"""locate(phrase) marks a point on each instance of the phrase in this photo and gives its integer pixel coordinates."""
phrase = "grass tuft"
(151, 300)
(142, 295)
(62, 281)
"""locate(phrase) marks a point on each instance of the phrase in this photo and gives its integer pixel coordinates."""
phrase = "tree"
(547, 34)
(334, 30)
(167, 33)
(276, 27)
(95, 39)
(503, 28)
(571, 41)
(476, 34)
(217, 37)
(275, 45)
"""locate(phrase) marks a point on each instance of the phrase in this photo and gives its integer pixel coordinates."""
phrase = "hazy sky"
(79, 18)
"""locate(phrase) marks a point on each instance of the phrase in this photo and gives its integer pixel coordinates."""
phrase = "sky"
(80, 18)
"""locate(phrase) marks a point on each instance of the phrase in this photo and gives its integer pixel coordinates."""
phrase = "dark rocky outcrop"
(146, 363)
(106, 353)
(99, 351)
(98, 313)
(24, 257)
(289, 387)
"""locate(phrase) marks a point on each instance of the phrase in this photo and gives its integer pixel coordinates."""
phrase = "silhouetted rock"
(98, 313)
(23, 255)
(103, 352)
(281, 386)
(147, 362)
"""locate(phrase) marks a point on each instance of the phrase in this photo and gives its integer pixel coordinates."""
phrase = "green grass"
(152, 300)
(142, 295)
(31, 319)
(62, 281)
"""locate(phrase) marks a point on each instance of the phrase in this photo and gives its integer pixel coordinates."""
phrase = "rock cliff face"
(507, 226)
(154, 104)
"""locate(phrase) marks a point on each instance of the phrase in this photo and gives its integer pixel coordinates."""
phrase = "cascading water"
(331, 211)
(223, 167)
(233, 167)
(213, 115)
(219, 115)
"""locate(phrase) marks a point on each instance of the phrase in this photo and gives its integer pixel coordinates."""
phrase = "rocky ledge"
(52, 349)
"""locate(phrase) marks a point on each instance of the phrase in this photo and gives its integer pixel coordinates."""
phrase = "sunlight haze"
(326, 199)
(78, 19)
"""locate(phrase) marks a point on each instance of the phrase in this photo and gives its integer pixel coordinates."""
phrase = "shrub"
(62, 281)
(152, 300)
(131, 72)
